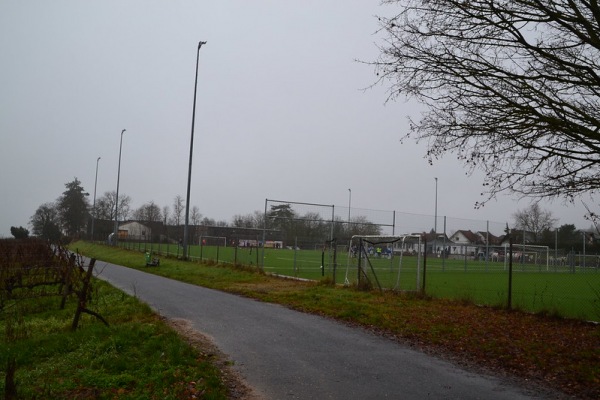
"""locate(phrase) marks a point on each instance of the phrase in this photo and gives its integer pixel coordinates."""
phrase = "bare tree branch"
(512, 88)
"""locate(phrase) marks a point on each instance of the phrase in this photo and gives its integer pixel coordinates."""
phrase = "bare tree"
(243, 221)
(46, 222)
(511, 87)
(165, 215)
(254, 220)
(105, 206)
(259, 219)
(196, 217)
(149, 212)
(178, 208)
(360, 225)
(535, 220)
(208, 221)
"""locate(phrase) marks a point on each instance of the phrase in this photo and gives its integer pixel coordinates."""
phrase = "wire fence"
(445, 258)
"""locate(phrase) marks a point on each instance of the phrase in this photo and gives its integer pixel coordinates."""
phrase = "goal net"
(213, 241)
(385, 262)
(298, 226)
(529, 257)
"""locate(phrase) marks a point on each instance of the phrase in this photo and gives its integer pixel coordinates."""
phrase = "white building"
(134, 231)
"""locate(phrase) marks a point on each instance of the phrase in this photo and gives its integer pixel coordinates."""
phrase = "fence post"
(83, 294)
(360, 254)
(510, 269)
(424, 265)
(323, 261)
(295, 254)
(236, 242)
(334, 260)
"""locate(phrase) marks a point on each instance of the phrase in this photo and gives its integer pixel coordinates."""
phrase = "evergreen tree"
(73, 208)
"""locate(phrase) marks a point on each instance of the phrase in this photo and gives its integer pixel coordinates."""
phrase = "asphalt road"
(285, 354)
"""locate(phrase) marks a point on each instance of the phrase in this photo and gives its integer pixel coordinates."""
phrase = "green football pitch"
(573, 293)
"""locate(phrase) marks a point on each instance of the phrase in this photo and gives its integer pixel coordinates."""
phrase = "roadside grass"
(560, 353)
(137, 357)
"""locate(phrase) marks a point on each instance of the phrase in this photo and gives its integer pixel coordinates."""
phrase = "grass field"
(536, 288)
(137, 357)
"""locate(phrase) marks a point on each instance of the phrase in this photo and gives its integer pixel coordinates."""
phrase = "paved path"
(284, 354)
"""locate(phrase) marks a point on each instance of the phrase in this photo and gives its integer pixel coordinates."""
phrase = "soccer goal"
(220, 241)
(385, 262)
(528, 256)
(300, 226)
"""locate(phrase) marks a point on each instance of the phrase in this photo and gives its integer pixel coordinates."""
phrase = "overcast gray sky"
(281, 112)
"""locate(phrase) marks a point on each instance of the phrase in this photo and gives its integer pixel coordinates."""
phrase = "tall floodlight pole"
(349, 203)
(189, 182)
(116, 229)
(435, 221)
(94, 206)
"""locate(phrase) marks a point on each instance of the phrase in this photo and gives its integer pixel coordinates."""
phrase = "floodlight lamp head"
(200, 44)
(123, 131)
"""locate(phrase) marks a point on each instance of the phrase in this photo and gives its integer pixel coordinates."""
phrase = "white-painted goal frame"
(388, 239)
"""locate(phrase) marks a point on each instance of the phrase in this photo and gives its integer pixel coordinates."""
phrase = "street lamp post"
(349, 203)
(94, 206)
(116, 229)
(189, 182)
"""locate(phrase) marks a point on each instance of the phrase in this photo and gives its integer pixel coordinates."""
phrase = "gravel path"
(285, 354)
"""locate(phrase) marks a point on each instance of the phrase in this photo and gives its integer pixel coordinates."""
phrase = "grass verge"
(137, 356)
(559, 353)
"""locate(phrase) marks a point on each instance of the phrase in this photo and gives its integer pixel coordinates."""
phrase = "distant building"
(466, 242)
(134, 230)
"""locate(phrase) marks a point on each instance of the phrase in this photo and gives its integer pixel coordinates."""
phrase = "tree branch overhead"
(512, 88)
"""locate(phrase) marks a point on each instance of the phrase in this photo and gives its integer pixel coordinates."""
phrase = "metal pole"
(555, 248)
(349, 203)
(487, 244)
(444, 245)
(94, 206)
(583, 262)
(349, 206)
(435, 220)
(116, 228)
(510, 268)
(523, 252)
(189, 182)
(295, 255)
(264, 238)
(331, 244)
(424, 266)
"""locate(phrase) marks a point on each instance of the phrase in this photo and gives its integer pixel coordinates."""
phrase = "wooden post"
(67, 283)
(82, 295)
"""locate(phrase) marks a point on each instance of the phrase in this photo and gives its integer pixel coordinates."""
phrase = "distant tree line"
(537, 226)
(70, 215)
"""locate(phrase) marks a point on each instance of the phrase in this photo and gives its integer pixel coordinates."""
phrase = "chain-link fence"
(447, 258)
